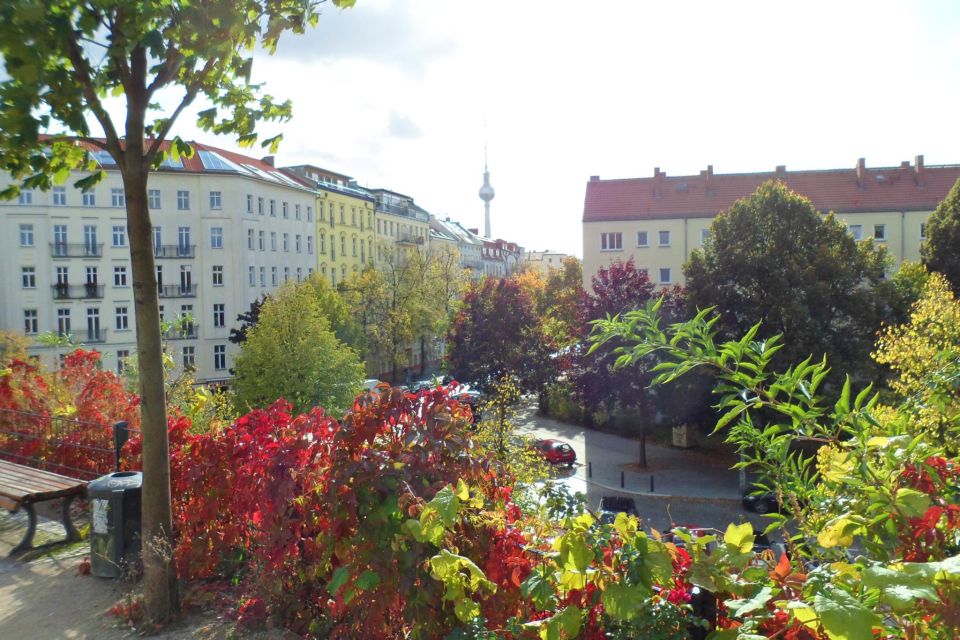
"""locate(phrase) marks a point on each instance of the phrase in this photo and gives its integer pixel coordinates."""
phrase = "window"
(216, 237)
(323, 243)
(153, 198)
(286, 210)
(263, 245)
(122, 355)
(704, 236)
(92, 275)
(309, 213)
(343, 246)
(59, 196)
(26, 235)
(342, 215)
(286, 242)
(28, 277)
(219, 357)
(880, 232)
(249, 203)
(119, 276)
(856, 230)
(183, 241)
(923, 230)
(250, 239)
(286, 273)
(90, 239)
(219, 315)
(296, 211)
(63, 275)
(354, 247)
(117, 198)
(273, 241)
(183, 201)
(664, 238)
(263, 276)
(299, 274)
(89, 198)
(310, 245)
(186, 279)
(608, 241)
(260, 205)
(664, 276)
(123, 320)
(273, 208)
(156, 240)
(189, 358)
(353, 216)
(273, 276)
(26, 197)
(63, 321)
(30, 323)
(218, 275)
(119, 235)
(253, 276)
(216, 201)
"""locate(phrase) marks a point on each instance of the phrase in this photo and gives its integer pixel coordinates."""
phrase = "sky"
(407, 94)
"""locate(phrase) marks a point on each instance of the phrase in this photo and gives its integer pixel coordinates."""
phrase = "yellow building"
(345, 223)
(400, 223)
(659, 221)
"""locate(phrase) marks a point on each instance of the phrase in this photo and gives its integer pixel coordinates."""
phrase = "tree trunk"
(159, 578)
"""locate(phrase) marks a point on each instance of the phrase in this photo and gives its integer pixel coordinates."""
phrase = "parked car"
(556, 451)
(760, 501)
(610, 506)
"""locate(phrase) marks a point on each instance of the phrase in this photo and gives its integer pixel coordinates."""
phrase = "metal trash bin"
(115, 523)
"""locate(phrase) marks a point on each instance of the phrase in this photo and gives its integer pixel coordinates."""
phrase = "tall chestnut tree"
(61, 59)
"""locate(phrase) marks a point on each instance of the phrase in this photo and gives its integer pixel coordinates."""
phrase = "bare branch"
(188, 97)
(82, 68)
(100, 144)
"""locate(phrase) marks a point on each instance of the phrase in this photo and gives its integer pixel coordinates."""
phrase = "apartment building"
(544, 262)
(659, 221)
(345, 220)
(469, 244)
(227, 228)
(400, 223)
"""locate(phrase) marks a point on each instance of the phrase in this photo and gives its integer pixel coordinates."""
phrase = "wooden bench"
(22, 487)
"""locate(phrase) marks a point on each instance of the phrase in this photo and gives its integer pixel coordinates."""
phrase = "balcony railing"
(65, 291)
(177, 291)
(93, 336)
(174, 251)
(409, 238)
(185, 332)
(78, 250)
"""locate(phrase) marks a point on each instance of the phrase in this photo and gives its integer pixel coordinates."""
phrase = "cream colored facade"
(660, 221)
(400, 224)
(544, 262)
(227, 230)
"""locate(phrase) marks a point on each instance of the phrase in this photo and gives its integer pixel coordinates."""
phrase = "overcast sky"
(396, 93)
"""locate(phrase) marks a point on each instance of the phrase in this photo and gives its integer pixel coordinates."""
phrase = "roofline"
(669, 216)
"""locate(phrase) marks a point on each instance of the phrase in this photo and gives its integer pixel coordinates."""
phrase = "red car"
(556, 452)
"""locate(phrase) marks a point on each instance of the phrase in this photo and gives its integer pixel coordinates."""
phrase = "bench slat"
(39, 481)
(7, 503)
(39, 475)
(21, 485)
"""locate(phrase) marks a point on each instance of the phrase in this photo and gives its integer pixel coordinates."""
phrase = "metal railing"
(174, 250)
(177, 290)
(76, 250)
(94, 335)
(66, 291)
(70, 447)
(186, 332)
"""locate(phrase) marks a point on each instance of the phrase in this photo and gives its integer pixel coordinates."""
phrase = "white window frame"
(660, 241)
(119, 235)
(88, 198)
(216, 200)
(31, 322)
(669, 273)
(118, 198)
(122, 318)
(26, 197)
(855, 230)
(216, 237)
(28, 277)
(219, 357)
(883, 232)
(119, 276)
(216, 273)
(646, 239)
(26, 235)
(219, 315)
(609, 241)
(59, 196)
(153, 199)
(183, 200)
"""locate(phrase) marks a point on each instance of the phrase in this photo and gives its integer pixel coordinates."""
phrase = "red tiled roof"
(903, 188)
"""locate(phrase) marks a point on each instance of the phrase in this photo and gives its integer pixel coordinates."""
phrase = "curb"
(664, 496)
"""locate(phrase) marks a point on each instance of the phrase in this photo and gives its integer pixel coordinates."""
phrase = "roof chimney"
(267, 160)
(657, 173)
(657, 177)
(918, 176)
(594, 178)
(781, 169)
(861, 173)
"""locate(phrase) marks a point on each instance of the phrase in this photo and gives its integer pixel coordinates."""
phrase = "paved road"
(690, 487)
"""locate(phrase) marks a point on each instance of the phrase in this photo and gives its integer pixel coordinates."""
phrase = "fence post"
(120, 435)
(651, 483)
(589, 469)
(621, 479)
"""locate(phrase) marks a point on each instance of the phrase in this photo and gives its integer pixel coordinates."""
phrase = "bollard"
(651, 483)
(120, 435)
(621, 479)
(589, 469)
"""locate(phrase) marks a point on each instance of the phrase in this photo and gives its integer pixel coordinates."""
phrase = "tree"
(772, 258)
(562, 295)
(335, 309)
(941, 251)
(497, 333)
(617, 289)
(248, 319)
(60, 61)
(292, 353)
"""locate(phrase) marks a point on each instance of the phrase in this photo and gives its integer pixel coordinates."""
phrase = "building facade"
(469, 244)
(400, 223)
(227, 229)
(345, 223)
(544, 262)
(659, 221)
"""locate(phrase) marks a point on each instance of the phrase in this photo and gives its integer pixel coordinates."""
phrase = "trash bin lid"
(118, 480)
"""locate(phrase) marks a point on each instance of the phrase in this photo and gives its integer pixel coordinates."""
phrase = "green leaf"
(913, 503)
(565, 625)
(759, 600)
(843, 617)
(898, 588)
(368, 580)
(838, 532)
(621, 601)
(338, 579)
(538, 589)
(739, 537)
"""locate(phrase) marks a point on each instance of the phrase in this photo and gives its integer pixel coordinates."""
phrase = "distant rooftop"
(907, 187)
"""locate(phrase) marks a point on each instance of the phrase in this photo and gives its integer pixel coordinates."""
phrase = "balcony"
(65, 291)
(409, 238)
(177, 291)
(78, 250)
(93, 335)
(188, 331)
(175, 251)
